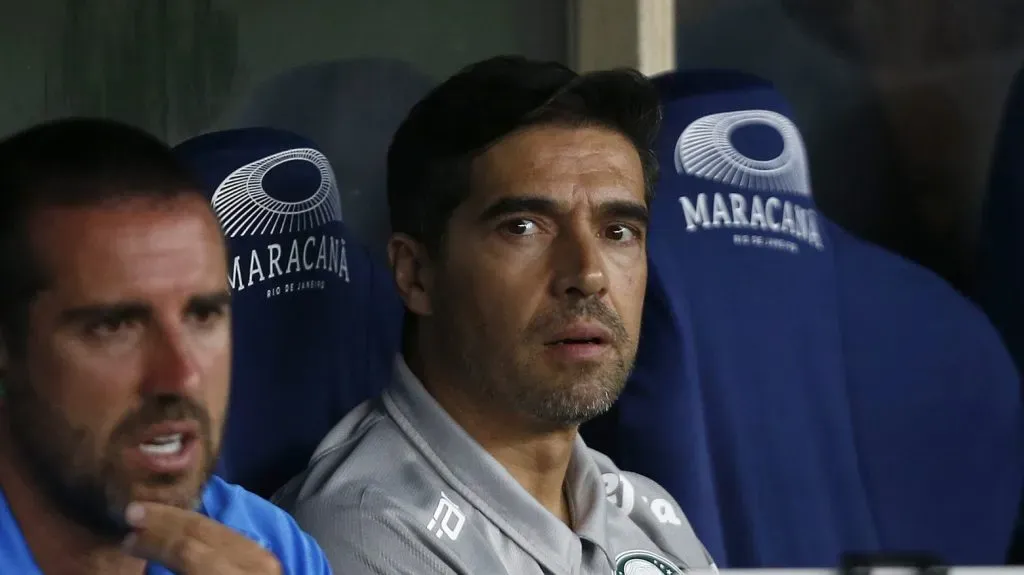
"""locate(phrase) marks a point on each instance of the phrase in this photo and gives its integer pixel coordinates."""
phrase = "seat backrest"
(351, 108)
(761, 398)
(1000, 277)
(1001, 255)
(316, 320)
(936, 407)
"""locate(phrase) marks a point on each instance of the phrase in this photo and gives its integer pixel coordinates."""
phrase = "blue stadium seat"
(1000, 286)
(316, 320)
(803, 393)
(1001, 271)
(350, 107)
(936, 406)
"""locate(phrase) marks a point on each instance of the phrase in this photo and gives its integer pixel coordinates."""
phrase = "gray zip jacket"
(399, 488)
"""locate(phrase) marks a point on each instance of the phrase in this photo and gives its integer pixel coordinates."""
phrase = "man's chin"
(588, 383)
(183, 492)
(585, 397)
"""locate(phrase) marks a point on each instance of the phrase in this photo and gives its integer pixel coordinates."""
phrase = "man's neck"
(57, 544)
(537, 458)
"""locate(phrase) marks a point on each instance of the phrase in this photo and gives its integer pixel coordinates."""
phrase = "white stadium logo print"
(705, 150)
(246, 209)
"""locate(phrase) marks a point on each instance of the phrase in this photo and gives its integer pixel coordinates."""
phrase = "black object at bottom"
(864, 563)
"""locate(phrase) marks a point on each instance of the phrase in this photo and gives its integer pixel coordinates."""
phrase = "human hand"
(191, 544)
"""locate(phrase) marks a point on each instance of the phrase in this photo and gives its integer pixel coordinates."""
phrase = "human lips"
(170, 447)
(580, 341)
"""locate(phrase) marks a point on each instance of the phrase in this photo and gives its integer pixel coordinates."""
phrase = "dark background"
(899, 100)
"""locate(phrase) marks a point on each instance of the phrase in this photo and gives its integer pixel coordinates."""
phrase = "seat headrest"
(315, 318)
(270, 183)
(739, 169)
(351, 108)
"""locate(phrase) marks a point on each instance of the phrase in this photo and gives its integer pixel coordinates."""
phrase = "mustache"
(592, 310)
(162, 409)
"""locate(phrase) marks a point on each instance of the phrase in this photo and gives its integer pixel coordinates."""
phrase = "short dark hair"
(428, 167)
(70, 162)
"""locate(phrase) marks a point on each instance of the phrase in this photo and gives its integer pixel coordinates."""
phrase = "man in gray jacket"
(518, 193)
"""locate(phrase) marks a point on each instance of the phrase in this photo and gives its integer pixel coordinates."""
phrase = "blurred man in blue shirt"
(115, 353)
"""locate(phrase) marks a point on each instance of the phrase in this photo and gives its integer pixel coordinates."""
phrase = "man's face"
(120, 394)
(539, 293)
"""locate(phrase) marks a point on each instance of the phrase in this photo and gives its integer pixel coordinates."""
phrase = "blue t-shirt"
(229, 504)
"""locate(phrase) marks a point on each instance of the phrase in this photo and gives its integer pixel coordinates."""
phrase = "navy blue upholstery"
(1001, 274)
(936, 404)
(1000, 287)
(803, 393)
(316, 319)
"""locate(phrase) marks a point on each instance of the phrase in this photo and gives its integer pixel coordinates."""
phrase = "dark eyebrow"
(130, 310)
(214, 300)
(123, 311)
(518, 205)
(611, 209)
(625, 210)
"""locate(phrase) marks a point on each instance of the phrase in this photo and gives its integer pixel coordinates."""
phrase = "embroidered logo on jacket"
(644, 563)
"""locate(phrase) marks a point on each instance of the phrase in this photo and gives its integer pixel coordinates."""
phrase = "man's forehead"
(555, 145)
(118, 216)
(169, 202)
(149, 245)
(562, 162)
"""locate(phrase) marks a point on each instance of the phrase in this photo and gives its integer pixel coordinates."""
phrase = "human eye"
(113, 333)
(520, 227)
(208, 314)
(109, 327)
(622, 233)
